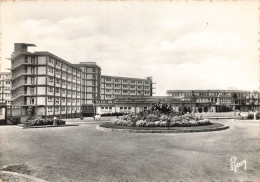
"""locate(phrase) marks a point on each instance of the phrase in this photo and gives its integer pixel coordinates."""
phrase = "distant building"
(5, 88)
(246, 100)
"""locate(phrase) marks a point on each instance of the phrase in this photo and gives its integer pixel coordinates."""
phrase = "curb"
(46, 126)
(160, 131)
(14, 174)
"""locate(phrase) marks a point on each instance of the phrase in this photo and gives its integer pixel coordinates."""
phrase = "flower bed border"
(45, 126)
(126, 129)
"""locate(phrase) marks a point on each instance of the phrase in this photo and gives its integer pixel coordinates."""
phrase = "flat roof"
(129, 78)
(217, 90)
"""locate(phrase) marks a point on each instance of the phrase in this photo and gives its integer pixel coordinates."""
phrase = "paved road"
(82, 153)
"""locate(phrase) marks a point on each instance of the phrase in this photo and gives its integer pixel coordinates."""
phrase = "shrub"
(200, 109)
(141, 123)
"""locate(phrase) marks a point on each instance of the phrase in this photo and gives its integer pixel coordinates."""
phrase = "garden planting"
(160, 115)
(39, 122)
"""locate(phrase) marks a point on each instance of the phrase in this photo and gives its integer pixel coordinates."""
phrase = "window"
(69, 92)
(50, 69)
(116, 80)
(132, 81)
(73, 93)
(49, 109)
(117, 85)
(57, 90)
(146, 82)
(57, 101)
(124, 86)
(62, 108)
(63, 100)
(140, 82)
(108, 85)
(57, 63)
(93, 69)
(146, 87)
(124, 81)
(62, 91)
(49, 99)
(50, 60)
(124, 91)
(63, 83)
(132, 86)
(108, 79)
(50, 89)
(58, 81)
(58, 72)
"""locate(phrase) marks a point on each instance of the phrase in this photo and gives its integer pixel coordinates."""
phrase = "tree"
(205, 108)
(200, 109)
(193, 99)
(252, 103)
(234, 98)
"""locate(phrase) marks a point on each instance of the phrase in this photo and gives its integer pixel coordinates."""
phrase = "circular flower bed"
(160, 116)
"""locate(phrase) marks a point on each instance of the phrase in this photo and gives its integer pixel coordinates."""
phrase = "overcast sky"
(181, 44)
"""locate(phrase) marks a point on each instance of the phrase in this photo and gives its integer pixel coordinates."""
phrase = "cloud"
(182, 45)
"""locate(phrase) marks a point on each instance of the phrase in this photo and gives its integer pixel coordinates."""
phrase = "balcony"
(23, 62)
(22, 72)
(22, 82)
(22, 93)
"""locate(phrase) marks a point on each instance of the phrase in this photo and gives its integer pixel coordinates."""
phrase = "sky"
(181, 44)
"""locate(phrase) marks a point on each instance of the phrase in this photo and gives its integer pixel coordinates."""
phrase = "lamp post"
(94, 102)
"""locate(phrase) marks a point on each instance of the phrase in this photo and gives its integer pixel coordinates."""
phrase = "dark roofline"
(88, 65)
(143, 79)
(26, 44)
(216, 90)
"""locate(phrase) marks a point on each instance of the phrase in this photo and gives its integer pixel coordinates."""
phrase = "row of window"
(127, 81)
(5, 82)
(209, 94)
(63, 91)
(127, 86)
(64, 66)
(5, 76)
(63, 108)
(63, 100)
(127, 91)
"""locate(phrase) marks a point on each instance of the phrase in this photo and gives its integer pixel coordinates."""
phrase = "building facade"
(245, 99)
(113, 87)
(5, 88)
(58, 88)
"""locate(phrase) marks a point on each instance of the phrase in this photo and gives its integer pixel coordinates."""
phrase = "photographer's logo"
(235, 165)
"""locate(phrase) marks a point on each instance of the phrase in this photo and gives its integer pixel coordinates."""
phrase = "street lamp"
(94, 102)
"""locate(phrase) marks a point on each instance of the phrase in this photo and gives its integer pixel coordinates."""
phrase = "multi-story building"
(5, 87)
(113, 87)
(44, 80)
(58, 88)
(90, 75)
(5, 95)
(245, 100)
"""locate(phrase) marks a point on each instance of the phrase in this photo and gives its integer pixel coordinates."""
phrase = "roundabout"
(108, 127)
